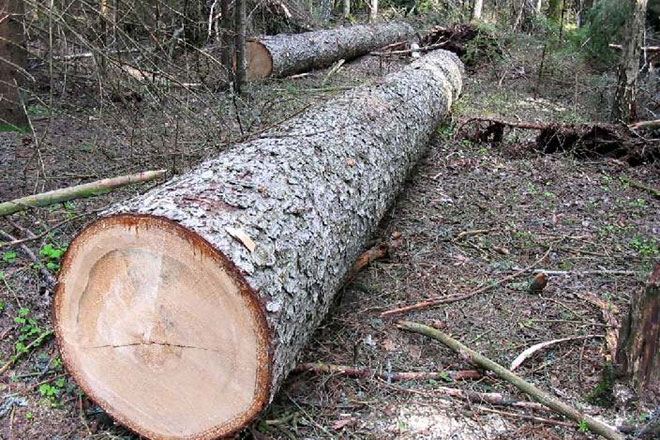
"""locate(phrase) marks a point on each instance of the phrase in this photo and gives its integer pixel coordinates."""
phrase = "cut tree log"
(638, 351)
(181, 311)
(287, 54)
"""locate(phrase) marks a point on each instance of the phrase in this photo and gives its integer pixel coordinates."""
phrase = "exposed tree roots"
(632, 144)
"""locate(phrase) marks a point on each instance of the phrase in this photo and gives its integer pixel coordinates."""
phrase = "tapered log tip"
(161, 330)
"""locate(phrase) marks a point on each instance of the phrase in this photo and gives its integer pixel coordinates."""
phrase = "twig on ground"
(471, 396)
(27, 349)
(76, 192)
(584, 272)
(528, 417)
(536, 347)
(546, 399)
(50, 279)
(610, 312)
(464, 234)
(639, 185)
(49, 230)
(322, 368)
(460, 297)
(375, 253)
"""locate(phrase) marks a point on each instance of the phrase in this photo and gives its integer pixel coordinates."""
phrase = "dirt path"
(524, 204)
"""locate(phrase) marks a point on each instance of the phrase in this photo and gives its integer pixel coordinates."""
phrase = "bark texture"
(477, 9)
(638, 354)
(626, 90)
(309, 194)
(282, 55)
(13, 62)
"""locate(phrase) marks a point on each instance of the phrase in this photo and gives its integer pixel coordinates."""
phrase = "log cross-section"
(181, 311)
(286, 54)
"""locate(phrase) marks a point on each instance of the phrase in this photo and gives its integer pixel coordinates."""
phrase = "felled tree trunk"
(13, 62)
(638, 354)
(285, 54)
(181, 311)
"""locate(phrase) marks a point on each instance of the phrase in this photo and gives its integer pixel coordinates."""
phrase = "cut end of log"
(161, 330)
(259, 60)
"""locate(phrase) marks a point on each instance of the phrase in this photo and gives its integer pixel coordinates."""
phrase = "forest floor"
(470, 214)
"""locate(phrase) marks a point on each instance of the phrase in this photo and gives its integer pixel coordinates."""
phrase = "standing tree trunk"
(13, 63)
(538, 6)
(239, 15)
(477, 9)
(638, 353)
(624, 108)
(373, 11)
(227, 42)
(181, 311)
(325, 10)
(347, 8)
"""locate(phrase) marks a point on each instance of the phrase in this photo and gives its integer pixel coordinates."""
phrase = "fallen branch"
(584, 272)
(498, 399)
(460, 297)
(536, 347)
(540, 396)
(77, 192)
(375, 253)
(639, 185)
(599, 140)
(609, 312)
(528, 417)
(320, 368)
(27, 349)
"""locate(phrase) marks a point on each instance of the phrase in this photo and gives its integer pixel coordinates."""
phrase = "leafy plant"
(52, 255)
(645, 247)
(602, 395)
(583, 427)
(9, 257)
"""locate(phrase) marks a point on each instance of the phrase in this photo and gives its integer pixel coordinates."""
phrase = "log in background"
(286, 54)
(309, 193)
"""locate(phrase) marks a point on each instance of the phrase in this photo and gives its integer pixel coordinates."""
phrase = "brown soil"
(527, 203)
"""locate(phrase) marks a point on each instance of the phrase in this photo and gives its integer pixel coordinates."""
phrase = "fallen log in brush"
(181, 311)
(600, 140)
(287, 54)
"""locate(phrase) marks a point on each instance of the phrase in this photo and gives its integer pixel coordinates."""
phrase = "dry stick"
(471, 396)
(536, 347)
(77, 192)
(375, 253)
(49, 230)
(461, 297)
(322, 368)
(20, 354)
(639, 185)
(528, 417)
(540, 396)
(50, 279)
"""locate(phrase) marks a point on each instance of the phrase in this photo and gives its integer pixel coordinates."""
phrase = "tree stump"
(638, 353)
(181, 311)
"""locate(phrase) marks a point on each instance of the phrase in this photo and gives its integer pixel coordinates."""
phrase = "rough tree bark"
(477, 9)
(347, 8)
(373, 10)
(240, 29)
(202, 291)
(227, 43)
(282, 55)
(626, 91)
(638, 353)
(13, 62)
